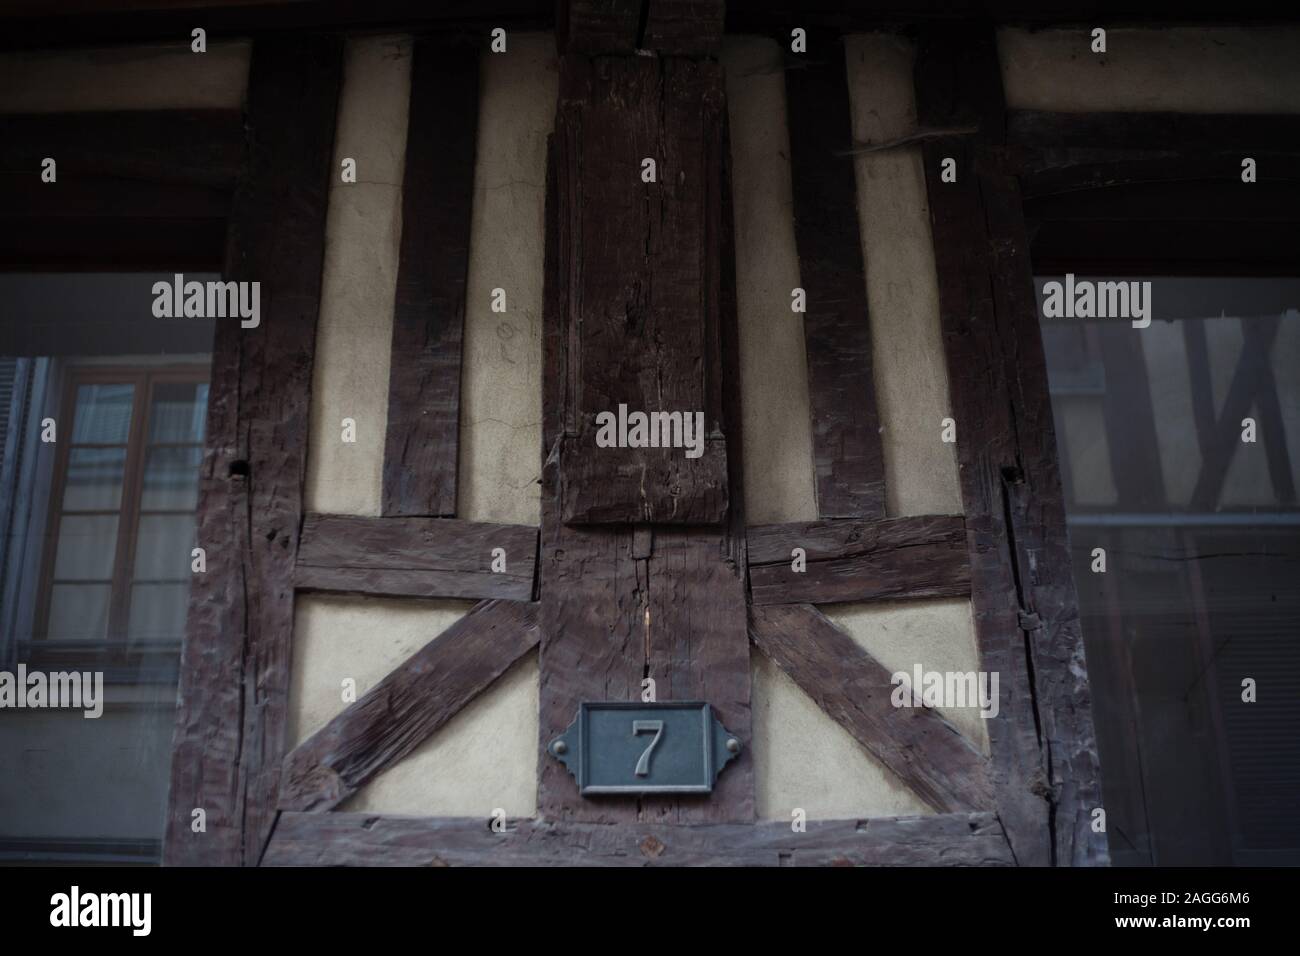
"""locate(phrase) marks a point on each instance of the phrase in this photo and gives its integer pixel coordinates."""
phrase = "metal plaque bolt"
(733, 745)
(559, 747)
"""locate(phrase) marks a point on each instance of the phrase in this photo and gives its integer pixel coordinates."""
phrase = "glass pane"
(103, 414)
(158, 612)
(1199, 530)
(94, 479)
(171, 479)
(87, 544)
(162, 547)
(78, 612)
(178, 411)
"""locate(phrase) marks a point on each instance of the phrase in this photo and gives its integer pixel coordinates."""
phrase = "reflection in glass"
(171, 479)
(103, 414)
(94, 479)
(86, 547)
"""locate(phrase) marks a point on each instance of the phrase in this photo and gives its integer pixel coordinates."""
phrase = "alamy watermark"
(61, 690)
(651, 430)
(1085, 299)
(208, 300)
(946, 689)
(75, 908)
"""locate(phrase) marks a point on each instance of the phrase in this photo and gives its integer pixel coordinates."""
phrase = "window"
(117, 560)
(1178, 445)
(97, 528)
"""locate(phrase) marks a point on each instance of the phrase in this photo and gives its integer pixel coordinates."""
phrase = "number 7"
(644, 727)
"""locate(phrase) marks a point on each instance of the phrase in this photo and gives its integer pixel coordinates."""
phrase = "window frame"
(121, 658)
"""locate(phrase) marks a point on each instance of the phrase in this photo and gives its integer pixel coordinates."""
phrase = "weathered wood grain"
(621, 603)
(641, 324)
(593, 27)
(684, 27)
(362, 839)
(918, 744)
(915, 557)
(198, 147)
(422, 440)
(415, 557)
(414, 700)
(234, 683)
(1043, 749)
(848, 459)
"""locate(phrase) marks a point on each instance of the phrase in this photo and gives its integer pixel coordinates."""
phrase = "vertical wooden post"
(234, 682)
(422, 439)
(633, 587)
(847, 455)
(1044, 754)
(1043, 745)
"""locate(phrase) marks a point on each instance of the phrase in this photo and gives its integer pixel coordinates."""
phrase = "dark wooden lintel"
(200, 147)
(1240, 134)
(913, 557)
(365, 839)
(416, 557)
(414, 700)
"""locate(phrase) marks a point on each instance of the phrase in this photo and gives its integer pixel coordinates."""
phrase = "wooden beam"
(423, 436)
(642, 324)
(915, 557)
(1044, 757)
(406, 707)
(364, 839)
(1048, 172)
(594, 27)
(203, 147)
(918, 744)
(847, 455)
(621, 27)
(684, 27)
(416, 557)
(1202, 133)
(621, 603)
(234, 684)
(104, 244)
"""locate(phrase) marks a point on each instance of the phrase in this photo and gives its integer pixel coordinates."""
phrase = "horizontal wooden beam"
(915, 557)
(205, 147)
(927, 753)
(401, 711)
(363, 839)
(1199, 133)
(416, 557)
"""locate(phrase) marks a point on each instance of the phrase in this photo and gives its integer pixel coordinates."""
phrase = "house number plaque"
(617, 747)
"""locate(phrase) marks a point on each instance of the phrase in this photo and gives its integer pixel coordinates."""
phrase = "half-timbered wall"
(486, 757)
